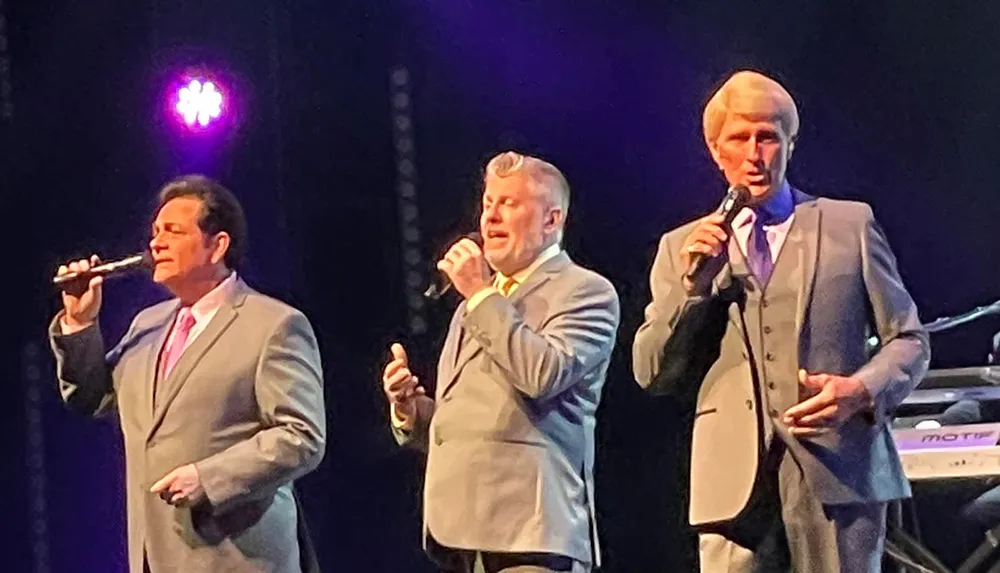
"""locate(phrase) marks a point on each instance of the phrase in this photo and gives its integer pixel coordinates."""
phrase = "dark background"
(899, 109)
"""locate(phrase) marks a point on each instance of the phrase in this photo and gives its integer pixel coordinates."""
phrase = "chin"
(162, 277)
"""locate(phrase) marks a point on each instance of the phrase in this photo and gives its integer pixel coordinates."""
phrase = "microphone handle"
(103, 269)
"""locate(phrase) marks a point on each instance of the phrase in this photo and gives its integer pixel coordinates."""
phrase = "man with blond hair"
(764, 323)
(510, 434)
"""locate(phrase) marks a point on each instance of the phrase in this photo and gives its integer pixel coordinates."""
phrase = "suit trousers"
(786, 528)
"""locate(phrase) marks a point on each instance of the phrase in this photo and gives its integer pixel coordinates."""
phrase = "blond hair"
(752, 94)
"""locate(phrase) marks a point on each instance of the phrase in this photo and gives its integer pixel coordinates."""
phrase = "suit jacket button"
(749, 404)
(763, 303)
(769, 357)
(438, 440)
(767, 330)
(770, 385)
(773, 413)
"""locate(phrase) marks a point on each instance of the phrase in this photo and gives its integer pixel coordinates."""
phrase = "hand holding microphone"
(81, 293)
(81, 284)
(704, 251)
(464, 257)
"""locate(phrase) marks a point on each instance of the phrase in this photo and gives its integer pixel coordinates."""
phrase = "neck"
(192, 290)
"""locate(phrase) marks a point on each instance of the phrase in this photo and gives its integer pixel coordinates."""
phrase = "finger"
(63, 269)
(74, 266)
(701, 248)
(807, 432)
(178, 499)
(825, 417)
(711, 235)
(806, 407)
(469, 247)
(714, 230)
(400, 380)
(413, 392)
(445, 266)
(96, 282)
(391, 369)
(403, 393)
(714, 219)
(84, 265)
(162, 484)
(813, 381)
(398, 352)
(456, 255)
(95, 260)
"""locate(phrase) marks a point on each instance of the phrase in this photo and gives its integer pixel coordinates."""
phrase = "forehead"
(515, 185)
(179, 210)
(752, 121)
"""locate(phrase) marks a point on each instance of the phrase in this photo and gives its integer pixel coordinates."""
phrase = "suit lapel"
(804, 238)
(454, 354)
(468, 347)
(158, 332)
(194, 353)
(736, 270)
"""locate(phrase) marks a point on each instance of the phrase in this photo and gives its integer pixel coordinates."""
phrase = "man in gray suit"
(510, 436)
(792, 462)
(219, 393)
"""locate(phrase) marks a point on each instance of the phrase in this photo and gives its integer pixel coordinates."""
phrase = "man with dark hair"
(218, 392)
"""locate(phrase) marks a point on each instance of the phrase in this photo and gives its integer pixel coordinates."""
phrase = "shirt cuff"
(479, 297)
(404, 424)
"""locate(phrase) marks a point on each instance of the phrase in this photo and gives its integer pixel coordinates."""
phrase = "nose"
(156, 243)
(753, 153)
(491, 213)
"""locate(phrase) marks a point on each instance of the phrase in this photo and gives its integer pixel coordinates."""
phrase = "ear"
(555, 219)
(220, 247)
(791, 148)
(713, 148)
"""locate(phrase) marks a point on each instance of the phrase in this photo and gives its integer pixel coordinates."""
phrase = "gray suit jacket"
(244, 404)
(510, 435)
(835, 283)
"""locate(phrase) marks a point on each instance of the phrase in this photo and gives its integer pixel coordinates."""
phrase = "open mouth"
(496, 235)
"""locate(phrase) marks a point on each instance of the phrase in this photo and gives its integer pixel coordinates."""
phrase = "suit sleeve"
(565, 350)
(83, 369)
(903, 357)
(418, 435)
(680, 337)
(289, 390)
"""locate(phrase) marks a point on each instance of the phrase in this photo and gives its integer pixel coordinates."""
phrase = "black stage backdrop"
(898, 107)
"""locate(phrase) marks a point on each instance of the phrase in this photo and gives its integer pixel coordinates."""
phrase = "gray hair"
(540, 174)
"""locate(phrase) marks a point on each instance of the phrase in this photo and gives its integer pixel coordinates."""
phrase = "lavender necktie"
(759, 252)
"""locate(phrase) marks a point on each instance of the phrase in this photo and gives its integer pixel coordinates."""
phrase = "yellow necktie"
(508, 286)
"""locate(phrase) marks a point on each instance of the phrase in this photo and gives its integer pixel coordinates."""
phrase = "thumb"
(399, 353)
(162, 484)
(811, 381)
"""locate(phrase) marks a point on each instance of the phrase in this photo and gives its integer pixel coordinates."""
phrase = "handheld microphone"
(736, 198)
(438, 289)
(107, 270)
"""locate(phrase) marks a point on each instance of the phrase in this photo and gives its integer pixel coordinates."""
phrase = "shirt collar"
(523, 274)
(775, 210)
(214, 299)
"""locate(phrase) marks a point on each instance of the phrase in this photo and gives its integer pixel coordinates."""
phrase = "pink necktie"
(182, 328)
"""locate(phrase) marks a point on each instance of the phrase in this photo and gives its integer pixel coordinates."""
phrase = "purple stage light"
(199, 103)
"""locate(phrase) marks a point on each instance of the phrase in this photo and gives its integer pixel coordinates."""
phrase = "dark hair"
(220, 211)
